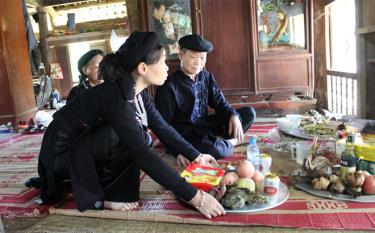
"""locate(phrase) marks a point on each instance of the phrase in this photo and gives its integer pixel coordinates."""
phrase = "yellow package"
(202, 177)
(366, 149)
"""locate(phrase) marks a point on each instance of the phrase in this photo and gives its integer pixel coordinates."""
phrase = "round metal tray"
(340, 197)
(300, 134)
(280, 198)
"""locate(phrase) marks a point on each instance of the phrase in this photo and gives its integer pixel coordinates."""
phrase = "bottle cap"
(253, 140)
(351, 137)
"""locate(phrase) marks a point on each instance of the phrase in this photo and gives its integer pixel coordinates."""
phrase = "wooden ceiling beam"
(72, 3)
(34, 3)
(60, 2)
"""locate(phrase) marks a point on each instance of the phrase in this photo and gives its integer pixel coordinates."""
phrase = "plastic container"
(285, 124)
(295, 119)
(55, 94)
(265, 164)
(300, 150)
(340, 147)
(253, 153)
(4, 129)
(271, 184)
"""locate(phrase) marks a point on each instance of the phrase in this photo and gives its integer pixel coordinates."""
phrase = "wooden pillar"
(133, 11)
(17, 100)
(361, 61)
(320, 67)
(43, 34)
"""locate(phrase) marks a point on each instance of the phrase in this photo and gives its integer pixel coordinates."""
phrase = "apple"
(245, 169)
(369, 185)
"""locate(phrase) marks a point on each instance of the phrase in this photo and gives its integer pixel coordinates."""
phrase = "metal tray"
(281, 197)
(341, 197)
(300, 134)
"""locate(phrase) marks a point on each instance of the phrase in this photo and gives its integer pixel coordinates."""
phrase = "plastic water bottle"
(253, 154)
(55, 94)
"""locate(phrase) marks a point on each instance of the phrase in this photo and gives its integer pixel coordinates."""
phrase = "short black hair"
(158, 4)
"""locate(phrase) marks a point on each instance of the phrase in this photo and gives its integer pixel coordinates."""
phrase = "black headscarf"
(136, 47)
(84, 60)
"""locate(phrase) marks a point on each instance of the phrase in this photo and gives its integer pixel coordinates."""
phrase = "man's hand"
(205, 160)
(182, 161)
(235, 128)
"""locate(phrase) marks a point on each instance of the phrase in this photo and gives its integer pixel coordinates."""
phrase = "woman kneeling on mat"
(77, 144)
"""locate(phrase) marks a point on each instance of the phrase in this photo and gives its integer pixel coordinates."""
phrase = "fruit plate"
(300, 134)
(279, 199)
(340, 197)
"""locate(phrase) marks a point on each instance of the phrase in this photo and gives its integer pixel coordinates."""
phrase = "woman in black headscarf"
(75, 145)
(88, 66)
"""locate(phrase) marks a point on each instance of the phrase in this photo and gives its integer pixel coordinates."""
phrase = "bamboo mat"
(300, 211)
(65, 224)
(18, 162)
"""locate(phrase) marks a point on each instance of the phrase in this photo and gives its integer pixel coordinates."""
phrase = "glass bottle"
(348, 158)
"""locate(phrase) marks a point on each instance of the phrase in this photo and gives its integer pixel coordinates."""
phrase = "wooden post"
(320, 62)
(17, 101)
(43, 34)
(361, 63)
(133, 11)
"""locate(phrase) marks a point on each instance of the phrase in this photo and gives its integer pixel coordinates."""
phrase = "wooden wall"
(367, 13)
(230, 60)
(320, 67)
(132, 9)
(17, 100)
(370, 75)
(366, 56)
(238, 65)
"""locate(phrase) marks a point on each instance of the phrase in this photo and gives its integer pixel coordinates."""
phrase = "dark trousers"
(206, 141)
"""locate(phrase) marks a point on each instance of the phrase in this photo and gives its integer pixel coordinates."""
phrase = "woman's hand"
(202, 159)
(207, 205)
(182, 161)
(205, 160)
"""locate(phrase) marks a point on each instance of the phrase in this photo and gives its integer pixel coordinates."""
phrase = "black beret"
(196, 43)
(86, 58)
(136, 48)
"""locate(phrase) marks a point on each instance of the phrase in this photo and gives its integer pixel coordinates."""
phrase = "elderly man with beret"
(184, 99)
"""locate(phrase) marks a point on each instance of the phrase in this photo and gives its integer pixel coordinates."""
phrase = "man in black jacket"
(184, 99)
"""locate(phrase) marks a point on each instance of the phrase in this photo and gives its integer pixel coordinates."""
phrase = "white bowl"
(285, 124)
(294, 117)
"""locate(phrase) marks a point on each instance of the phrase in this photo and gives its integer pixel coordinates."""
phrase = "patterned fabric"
(18, 162)
(141, 111)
